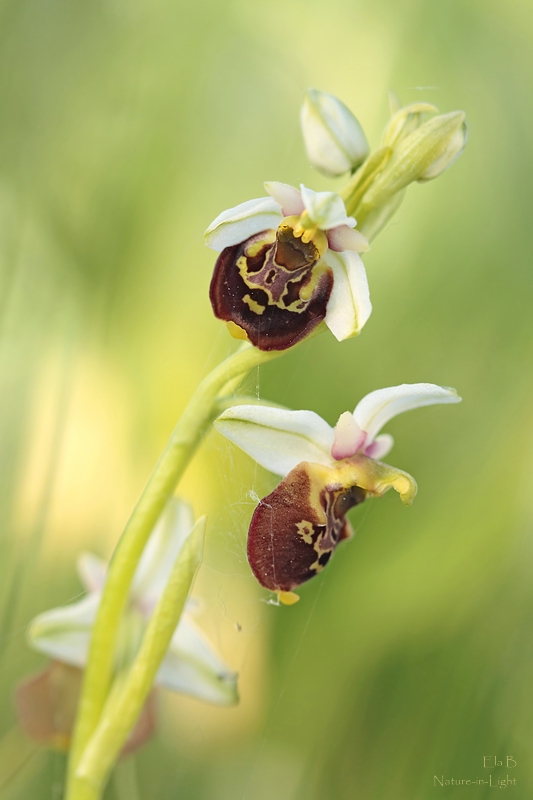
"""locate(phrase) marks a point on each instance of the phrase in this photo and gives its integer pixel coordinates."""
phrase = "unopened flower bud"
(455, 147)
(417, 154)
(421, 150)
(406, 120)
(334, 140)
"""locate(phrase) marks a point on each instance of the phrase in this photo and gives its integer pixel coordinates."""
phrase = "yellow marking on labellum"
(307, 231)
(257, 308)
(255, 248)
(311, 274)
(306, 291)
(242, 266)
(288, 598)
(305, 529)
(317, 566)
(236, 331)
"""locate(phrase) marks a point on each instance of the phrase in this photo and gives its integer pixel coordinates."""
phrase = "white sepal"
(191, 666)
(326, 209)
(349, 305)
(160, 554)
(92, 571)
(333, 138)
(276, 438)
(239, 223)
(377, 408)
(64, 633)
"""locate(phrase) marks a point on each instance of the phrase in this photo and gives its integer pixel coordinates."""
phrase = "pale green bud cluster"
(418, 144)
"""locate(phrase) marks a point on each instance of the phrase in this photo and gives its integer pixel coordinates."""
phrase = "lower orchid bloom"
(286, 263)
(190, 666)
(326, 471)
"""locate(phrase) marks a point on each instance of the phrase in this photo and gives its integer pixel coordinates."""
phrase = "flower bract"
(288, 262)
(326, 471)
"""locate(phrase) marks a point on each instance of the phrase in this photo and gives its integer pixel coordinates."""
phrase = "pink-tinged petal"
(379, 448)
(288, 197)
(349, 438)
(345, 238)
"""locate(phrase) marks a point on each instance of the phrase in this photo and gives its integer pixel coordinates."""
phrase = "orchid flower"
(326, 471)
(286, 263)
(191, 666)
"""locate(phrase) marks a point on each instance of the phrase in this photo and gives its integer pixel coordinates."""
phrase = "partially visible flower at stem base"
(327, 471)
(288, 262)
(190, 666)
(46, 705)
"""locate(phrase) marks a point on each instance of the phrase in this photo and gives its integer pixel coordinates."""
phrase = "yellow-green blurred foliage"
(126, 126)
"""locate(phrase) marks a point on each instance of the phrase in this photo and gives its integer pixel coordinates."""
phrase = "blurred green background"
(126, 126)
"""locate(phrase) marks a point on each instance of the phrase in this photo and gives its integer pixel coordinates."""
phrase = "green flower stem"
(183, 442)
(360, 181)
(125, 704)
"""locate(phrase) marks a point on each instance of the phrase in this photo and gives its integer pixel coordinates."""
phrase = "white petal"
(326, 209)
(289, 198)
(379, 448)
(160, 554)
(345, 238)
(92, 571)
(191, 666)
(378, 407)
(349, 305)
(278, 439)
(239, 223)
(334, 140)
(64, 633)
(349, 438)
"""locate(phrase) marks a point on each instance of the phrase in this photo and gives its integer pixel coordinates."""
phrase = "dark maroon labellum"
(273, 287)
(46, 704)
(296, 528)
